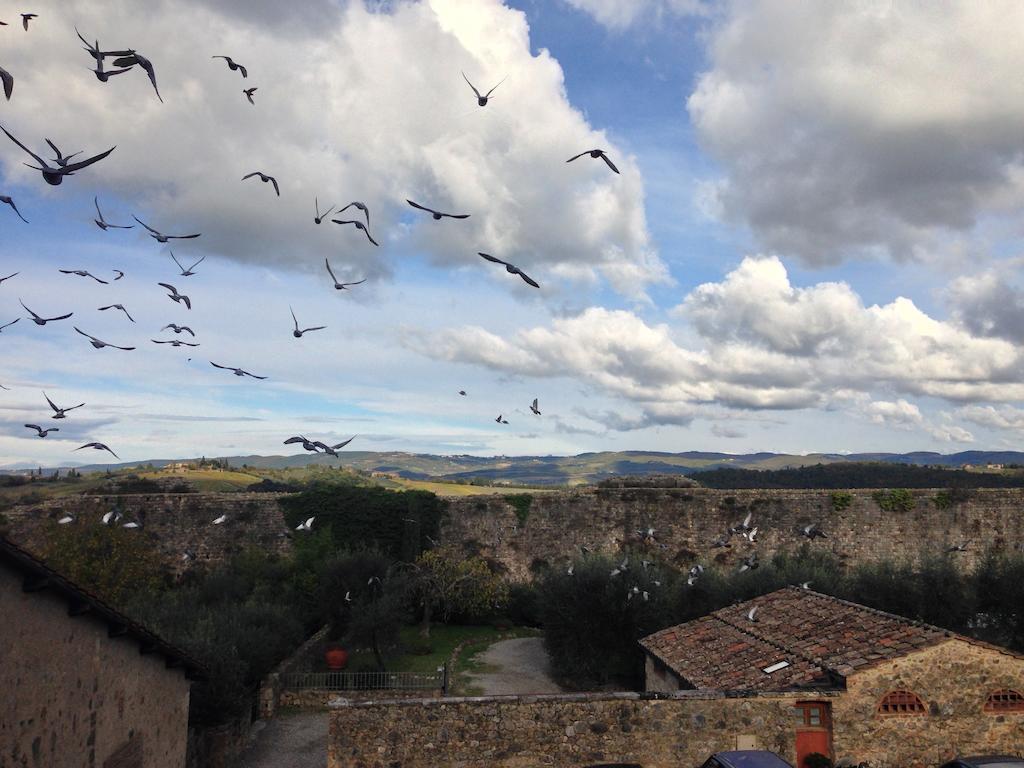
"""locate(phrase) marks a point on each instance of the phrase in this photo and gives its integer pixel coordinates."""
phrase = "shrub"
(521, 504)
(896, 500)
(841, 500)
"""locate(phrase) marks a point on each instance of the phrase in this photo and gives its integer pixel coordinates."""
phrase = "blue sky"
(809, 247)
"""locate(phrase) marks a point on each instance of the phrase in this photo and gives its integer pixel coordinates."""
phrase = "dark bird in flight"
(26, 18)
(98, 447)
(40, 431)
(129, 59)
(8, 80)
(160, 237)
(7, 200)
(8, 277)
(462, 392)
(264, 178)
(179, 329)
(99, 344)
(437, 214)
(186, 272)
(43, 320)
(248, 94)
(512, 269)
(233, 65)
(236, 371)
(332, 450)
(175, 296)
(58, 413)
(297, 333)
(482, 100)
(340, 286)
(117, 306)
(94, 50)
(8, 325)
(175, 343)
(306, 443)
(60, 159)
(119, 274)
(54, 176)
(103, 223)
(812, 532)
(320, 216)
(359, 225)
(534, 408)
(501, 419)
(595, 153)
(360, 206)
(82, 273)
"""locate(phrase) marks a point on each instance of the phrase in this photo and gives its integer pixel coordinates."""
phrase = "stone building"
(874, 686)
(83, 685)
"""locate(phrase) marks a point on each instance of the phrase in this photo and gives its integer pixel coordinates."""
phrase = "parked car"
(986, 761)
(747, 758)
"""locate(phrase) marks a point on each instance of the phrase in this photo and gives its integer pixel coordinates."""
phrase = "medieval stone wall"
(554, 527)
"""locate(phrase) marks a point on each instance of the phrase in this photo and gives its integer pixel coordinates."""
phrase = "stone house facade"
(83, 685)
(873, 686)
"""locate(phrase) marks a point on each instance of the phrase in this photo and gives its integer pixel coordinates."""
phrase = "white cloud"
(1005, 417)
(864, 127)
(988, 304)
(620, 14)
(352, 104)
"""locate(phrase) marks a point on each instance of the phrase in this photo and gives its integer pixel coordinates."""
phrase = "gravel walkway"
(520, 666)
(290, 741)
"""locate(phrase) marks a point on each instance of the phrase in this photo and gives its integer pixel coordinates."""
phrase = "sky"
(813, 243)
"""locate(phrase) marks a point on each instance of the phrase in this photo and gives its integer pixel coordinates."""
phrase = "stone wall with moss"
(862, 524)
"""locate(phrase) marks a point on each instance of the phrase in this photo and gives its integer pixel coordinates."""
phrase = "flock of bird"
(110, 63)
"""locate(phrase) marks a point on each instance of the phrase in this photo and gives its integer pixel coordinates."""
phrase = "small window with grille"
(901, 703)
(1004, 701)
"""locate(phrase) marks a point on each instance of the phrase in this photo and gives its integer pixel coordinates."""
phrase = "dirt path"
(514, 666)
(293, 741)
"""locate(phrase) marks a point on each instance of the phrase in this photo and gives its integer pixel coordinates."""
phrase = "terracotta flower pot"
(336, 657)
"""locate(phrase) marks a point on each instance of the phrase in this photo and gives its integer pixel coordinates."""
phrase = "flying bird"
(9, 276)
(308, 444)
(332, 449)
(752, 614)
(264, 178)
(962, 547)
(42, 432)
(129, 59)
(721, 541)
(812, 532)
(750, 563)
(805, 584)
(162, 238)
(51, 175)
(186, 272)
(176, 297)
(744, 526)
(220, 520)
(437, 214)
(59, 413)
(8, 325)
(8, 81)
(98, 56)
(512, 269)
(297, 333)
(175, 343)
(248, 94)
(179, 328)
(482, 100)
(103, 224)
(99, 344)
(98, 447)
(117, 306)
(595, 153)
(534, 408)
(43, 320)
(233, 65)
(61, 159)
(359, 206)
(119, 274)
(111, 517)
(8, 200)
(26, 18)
(306, 525)
(340, 286)
(82, 273)
(462, 392)
(359, 225)
(501, 419)
(320, 216)
(236, 371)
(66, 520)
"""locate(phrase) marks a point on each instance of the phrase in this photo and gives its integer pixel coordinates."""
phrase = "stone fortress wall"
(551, 528)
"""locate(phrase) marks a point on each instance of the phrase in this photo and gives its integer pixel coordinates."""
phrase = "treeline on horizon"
(855, 475)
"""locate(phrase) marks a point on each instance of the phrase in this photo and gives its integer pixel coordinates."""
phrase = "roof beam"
(34, 583)
(116, 630)
(78, 607)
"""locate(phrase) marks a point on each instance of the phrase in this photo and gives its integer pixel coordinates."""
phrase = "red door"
(813, 730)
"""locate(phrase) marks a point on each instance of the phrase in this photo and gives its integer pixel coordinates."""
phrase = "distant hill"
(593, 467)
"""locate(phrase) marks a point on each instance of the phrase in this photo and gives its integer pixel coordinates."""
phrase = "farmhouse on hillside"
(83, 684)
(876, 687)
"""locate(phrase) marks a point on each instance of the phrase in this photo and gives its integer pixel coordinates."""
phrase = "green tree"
(448, 583)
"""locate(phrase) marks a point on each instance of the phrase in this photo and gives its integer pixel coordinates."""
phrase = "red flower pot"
(336, 658)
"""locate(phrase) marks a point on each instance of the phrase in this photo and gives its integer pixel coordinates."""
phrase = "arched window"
(901, 703)
(1004, 700)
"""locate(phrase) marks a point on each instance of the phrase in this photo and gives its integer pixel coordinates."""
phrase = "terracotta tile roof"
(38, 576)
(823, 639)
